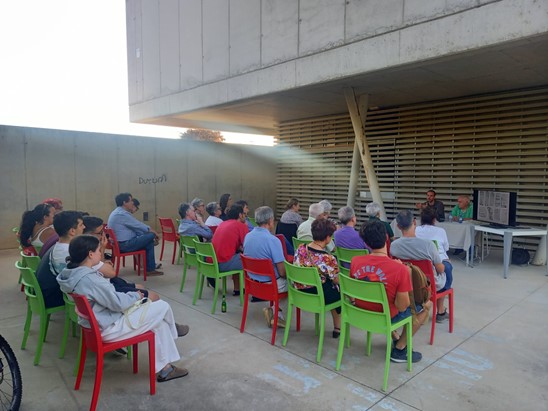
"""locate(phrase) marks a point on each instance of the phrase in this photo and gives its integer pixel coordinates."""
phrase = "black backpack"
(520, 256)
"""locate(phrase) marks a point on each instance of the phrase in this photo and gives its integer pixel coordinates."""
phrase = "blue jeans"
(448, 275)
(407, 313)
(146, 242)
(235, 263)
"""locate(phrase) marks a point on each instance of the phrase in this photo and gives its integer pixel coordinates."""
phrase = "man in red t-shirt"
(228, 242)
(396, 277)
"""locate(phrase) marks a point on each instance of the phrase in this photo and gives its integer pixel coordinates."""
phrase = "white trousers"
(159, 319)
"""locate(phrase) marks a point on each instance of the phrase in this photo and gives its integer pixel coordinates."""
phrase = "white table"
(508, 234)
(459, 235)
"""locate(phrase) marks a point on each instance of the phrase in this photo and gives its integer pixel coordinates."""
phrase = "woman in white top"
(214, 212)
(37, 226)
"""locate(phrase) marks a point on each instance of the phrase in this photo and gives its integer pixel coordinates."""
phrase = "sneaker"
(159, 265)
(120, 351)
(256, 299)
(182, 330)
(155, 273)
(440, 318)
(281, 322)
(401, 355)
(268, 315)
(175, 372)
(458, 251)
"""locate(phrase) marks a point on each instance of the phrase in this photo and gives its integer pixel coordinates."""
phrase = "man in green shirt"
(464, 209)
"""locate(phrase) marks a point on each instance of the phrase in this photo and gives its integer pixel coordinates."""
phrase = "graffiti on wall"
(154, 180)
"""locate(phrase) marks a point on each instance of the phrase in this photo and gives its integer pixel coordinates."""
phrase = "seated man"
(67, 225)
(191, 224)
(437, 205)
(396, 278)
(133, 235)
(410, 247)
(261, 243)
(304, 232)
(228, 242)
(464, 210)
(347, 236)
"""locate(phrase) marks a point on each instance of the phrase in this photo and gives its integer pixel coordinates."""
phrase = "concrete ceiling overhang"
(509, 66)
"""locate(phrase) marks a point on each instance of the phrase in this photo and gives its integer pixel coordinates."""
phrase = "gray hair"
(211, 208)
(326, 206)
(373, 209)
(196, 202)
(263, 215)
(404, 219)
(315, 210)
(345, 214)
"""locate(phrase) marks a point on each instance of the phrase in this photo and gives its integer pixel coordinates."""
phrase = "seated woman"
(214, 212)
(315, 255)
(291, 214)
(110, 306)
(225, 202)
(373, 210)
(36, 228)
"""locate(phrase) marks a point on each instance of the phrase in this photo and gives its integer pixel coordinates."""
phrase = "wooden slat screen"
(497, 141)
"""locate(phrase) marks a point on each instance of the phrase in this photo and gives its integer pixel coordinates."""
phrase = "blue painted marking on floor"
(370, 396)
(308, 382)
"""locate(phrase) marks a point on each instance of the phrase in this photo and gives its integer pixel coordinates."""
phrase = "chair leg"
(298, 312)
(41, 338)
(152, 364)
(342, 339)
(275, 325)
(451, 311)
(83, 354)
(198, 287)
(322, 332)
(216, 293)
(433, 328)
(26, 328)
(162, 251)
(144, 266)
(174, 252)
(244, 313)
(387, 361)
(241, 289)
(184, 277)
(288, 322)
(135, 358)
(65, 335)
(78, 356)
(98, 378)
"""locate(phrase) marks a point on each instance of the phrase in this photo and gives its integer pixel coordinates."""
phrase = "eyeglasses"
(99, 233)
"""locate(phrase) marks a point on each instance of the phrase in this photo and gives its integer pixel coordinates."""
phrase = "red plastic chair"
(139, 260)
(265, 291)
(428, 269)
(288, 257)
(91, 340)
(213, 228)
(169, 233)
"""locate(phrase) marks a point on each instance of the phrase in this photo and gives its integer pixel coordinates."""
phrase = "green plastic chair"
(189, 260)
(297, 242)
(369, 321)
(208, 267)
(36, 306)
(345, 255)
(313, 303)
(71, 319)
(30, 261)
(252, 221)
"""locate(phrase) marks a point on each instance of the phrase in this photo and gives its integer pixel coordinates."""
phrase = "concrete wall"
(188, 54)
(86, 170)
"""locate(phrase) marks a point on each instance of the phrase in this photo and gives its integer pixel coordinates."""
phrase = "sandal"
(173, 374)
(336, 332)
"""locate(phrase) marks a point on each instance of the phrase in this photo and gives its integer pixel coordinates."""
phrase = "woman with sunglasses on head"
(111, 308)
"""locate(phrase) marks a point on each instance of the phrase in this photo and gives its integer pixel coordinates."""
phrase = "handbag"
(144, 304)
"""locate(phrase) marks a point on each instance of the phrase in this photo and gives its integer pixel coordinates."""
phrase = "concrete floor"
(494, 360)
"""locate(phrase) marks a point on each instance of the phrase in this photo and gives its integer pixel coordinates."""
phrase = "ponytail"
(79, 249)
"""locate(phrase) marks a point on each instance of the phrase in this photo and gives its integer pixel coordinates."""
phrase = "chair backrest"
(345, 255)
(213, 228)
(288, 230)
(31, 287)
(259, 266)
(168, 229)
(428, 269)
(84, 310)
(187, 241)
(284, 248)
(371, 292)
(109, 232)
(70, 308)
(252, 221)
(30, 261)
(206, 258)
(307, 276)
(297, 242)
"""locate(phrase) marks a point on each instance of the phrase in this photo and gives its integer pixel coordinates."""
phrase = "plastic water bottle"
(460, 218)
(223, 304)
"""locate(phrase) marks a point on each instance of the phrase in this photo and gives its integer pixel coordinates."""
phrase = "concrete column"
(358, 115)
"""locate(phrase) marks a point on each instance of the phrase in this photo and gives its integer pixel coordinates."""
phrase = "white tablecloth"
(458, 234)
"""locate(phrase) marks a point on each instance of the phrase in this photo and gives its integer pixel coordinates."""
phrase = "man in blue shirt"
(133, 235)
(261, 243)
